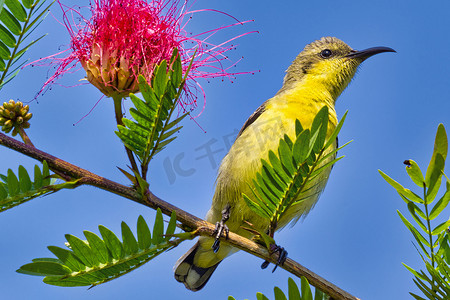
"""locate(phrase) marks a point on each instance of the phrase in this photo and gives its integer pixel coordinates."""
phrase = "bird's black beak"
(365, 54)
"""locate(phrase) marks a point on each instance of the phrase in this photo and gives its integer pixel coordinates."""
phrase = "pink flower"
(125, 38)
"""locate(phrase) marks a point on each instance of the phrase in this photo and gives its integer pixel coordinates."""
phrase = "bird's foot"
(221, 228)
(282, 255)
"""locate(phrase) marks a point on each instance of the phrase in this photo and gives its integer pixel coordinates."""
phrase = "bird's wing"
(253, 117)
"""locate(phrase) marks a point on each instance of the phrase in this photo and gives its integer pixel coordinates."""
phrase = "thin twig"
(200, 226)
(24, 136)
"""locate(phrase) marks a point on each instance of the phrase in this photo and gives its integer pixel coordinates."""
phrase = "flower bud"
(14, 115)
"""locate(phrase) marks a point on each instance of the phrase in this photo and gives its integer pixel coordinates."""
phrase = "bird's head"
(329, 63)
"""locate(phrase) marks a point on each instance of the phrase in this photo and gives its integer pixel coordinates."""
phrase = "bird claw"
(221, 228)
(282, 256)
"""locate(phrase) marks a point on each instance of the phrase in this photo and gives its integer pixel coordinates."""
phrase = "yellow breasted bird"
(315, 79)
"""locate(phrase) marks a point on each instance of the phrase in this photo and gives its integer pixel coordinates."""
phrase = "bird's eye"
(326, 53)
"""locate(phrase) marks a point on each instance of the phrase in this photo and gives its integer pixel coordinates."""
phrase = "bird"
(315, 79)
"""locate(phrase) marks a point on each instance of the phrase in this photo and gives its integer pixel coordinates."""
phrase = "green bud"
(18, 107)
(9, 106)
(9, 123)
(24, 110)
(5, 113)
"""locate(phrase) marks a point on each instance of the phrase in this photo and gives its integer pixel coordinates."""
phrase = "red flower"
(125, 38)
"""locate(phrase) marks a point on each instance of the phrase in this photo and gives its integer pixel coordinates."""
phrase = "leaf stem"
(24, 136)
(430, 236)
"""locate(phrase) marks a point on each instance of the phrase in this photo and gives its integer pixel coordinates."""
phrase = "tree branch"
(200, 226)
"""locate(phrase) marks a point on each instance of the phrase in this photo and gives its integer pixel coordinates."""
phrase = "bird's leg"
(282, 255)
(221, 228)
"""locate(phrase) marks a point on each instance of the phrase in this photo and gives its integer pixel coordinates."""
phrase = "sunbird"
(315, 79)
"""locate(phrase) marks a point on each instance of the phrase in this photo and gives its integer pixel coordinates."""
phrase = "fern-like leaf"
(17, 20)
(15, 190)
(431, 239)
(152, 128)
(96, 260)
(293, 170)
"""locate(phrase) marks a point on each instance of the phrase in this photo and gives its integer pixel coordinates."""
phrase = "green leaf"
(82, 251)
(67, 258)
(279, 295)
(440, 205)
(320, 125)
(98, 247)
(171, 226)
(440, 147)
(28, 3)
(67, 281)
(319, 295)
(441, 227)
(260, 296)
(112, 242)
(160, 79)
(46, 180)
(13, 183)
(301, 147)
(177, 69)
(298, 127)
(17, 10)
(158, 229)
(417, 297)
(414, 272)
(413, 170)
(412, 209)
(413, 230)
(426, 290)
(7, 38)
(261, 211)
(130, 244)
(400, 189)
(435, 177)
(143, 233)
(293, 291)
(5, 53)
(3, 192)
(37, 177)
(285, 155)
(25, 181)
(2, 3)
(336, 131)
(44, 268)
(277, 167)
(306, 290)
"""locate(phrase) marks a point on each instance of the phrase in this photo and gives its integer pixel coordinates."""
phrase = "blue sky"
(353, 237)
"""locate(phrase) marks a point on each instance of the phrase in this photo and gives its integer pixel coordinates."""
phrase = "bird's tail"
(188, 271)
